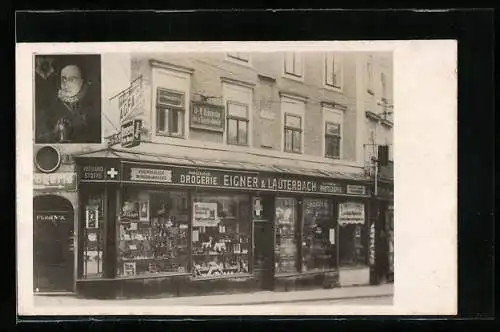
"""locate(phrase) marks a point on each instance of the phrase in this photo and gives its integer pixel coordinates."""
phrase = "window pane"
(332, 147)
(319, 236)
(176, 123)
(289, 63)
(329, 75)
(352, 245)
(285, 243)
(220, 235)
(238, 110)
(333, 129)
(288, 140)
(298, 64)
(296, 141)
(153, 233)
(162, 120)
(232, 131)
(293, 121)
(242, 132)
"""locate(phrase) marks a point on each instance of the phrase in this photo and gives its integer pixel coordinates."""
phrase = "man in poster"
(68, 110)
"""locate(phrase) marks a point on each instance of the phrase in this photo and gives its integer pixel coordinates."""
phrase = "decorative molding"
(292, 95)
(372, 116)
(237, 82)
(334, 105)
(387, 123)
(170, 66)
(265, 77)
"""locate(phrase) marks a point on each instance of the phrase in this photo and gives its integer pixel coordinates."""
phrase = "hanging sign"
(351, 213)
(372, 245)
(207, 116)
(92, 217)
(205, 214)
(130, 100)
(131, 133)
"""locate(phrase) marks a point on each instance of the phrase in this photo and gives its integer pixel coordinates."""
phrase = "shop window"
(293, 133)
(293, 64)
(93, 235)
(332, 140)
(333, 71)
(286, 239)
(237, 123)
(390, 236)
(319, 238)
(220, 235)
(352, 245)
(170, 113)
(153, 233)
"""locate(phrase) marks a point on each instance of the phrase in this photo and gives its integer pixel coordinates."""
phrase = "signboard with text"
(131, 133)
(55, 181)
(207, 116)
(351, 213)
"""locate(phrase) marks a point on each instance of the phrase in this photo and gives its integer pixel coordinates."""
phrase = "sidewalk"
(264, 297)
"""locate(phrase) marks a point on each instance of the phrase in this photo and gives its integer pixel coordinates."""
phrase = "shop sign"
(351, 213)
(186, 176)
(99, 173)
(205, 214)
(55, 181)
(92, 217)
(207, 116)
(372, 245)
(51, 217)
(130, 100)
(131, 133)
(356, 189)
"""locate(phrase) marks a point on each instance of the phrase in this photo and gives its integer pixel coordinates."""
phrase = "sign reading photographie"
(207, 116)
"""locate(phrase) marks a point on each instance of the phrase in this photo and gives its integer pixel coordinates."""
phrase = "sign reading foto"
(351, 213)
(207, 116)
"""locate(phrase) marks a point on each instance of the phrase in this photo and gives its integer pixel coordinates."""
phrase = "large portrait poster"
(205, 214)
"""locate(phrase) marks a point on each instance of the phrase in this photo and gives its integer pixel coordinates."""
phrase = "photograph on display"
(219, 173)
(67, 98)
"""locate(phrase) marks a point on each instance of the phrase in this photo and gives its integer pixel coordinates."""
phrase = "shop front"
(159, 228)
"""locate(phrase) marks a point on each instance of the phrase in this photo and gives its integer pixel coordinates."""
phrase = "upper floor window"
(293, 133)
(238, 56)
(369, 74)
(293, 64)
(237, 123)
(332, 140)
(333, 122)
(333, 71)
(170, 113)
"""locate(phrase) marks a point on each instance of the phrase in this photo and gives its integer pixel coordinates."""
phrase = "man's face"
(71, 80)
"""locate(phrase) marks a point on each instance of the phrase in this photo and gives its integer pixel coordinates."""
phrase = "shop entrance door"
(53, 257)
(263, 242)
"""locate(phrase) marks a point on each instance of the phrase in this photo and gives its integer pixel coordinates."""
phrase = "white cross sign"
(112, 172)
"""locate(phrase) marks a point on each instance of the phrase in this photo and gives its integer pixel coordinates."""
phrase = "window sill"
(236, 61)
(370, 92)
(387, 123)
(333, 88)
(170, 136)
(225, 276)
(372, 116)
(294, 78)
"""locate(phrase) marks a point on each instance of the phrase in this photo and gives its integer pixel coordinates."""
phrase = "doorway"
(53, 246)
(263, 241)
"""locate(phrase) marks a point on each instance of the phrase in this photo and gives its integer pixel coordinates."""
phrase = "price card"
(331, 236)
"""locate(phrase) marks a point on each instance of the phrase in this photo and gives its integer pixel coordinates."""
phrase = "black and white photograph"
(67, 98)
(226, 177)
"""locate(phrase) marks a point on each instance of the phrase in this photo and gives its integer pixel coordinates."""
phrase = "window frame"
(169, 113)
(338, 137)
(293, 75)
(332, 115)
(370, 75)
(230, 117)
(334, 60)
(293, 130)
(296, 101)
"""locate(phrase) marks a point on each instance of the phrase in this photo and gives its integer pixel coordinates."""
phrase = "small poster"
(331, 236)
(144, 211)
(129, 268)
(92, 217)
(205, 214)
(133, 226)
(196, 236)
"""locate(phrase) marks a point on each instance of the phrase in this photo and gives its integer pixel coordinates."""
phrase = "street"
(381, 300)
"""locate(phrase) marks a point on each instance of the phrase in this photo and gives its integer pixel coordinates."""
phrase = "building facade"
(220, 172)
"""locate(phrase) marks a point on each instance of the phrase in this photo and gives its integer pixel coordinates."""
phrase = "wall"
(265, 74)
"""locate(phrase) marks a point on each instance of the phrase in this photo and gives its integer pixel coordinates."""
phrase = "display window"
(352, 245)
(153, 232)
(318, 236)
(285, 245)
(220, 235)
(92, 229)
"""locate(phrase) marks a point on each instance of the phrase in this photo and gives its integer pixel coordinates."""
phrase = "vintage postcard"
(276, 178)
